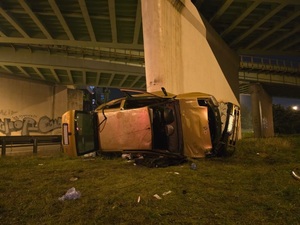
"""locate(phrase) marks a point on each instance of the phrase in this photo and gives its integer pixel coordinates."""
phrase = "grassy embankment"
(254, 186)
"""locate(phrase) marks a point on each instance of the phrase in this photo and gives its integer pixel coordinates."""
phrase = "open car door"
(78, 133)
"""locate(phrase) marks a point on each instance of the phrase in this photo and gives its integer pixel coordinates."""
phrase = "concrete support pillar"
(75, 99)
(162, 34)
(262, 112)
(183, 55)
(60, 100)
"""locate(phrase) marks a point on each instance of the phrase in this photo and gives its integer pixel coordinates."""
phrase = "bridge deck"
(280, 73)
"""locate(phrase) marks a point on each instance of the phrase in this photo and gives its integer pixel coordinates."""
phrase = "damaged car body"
(192, 125)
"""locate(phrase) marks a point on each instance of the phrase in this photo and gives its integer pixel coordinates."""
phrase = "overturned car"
(192, 125)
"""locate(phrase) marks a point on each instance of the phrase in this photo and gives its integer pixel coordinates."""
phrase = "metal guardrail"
(269, 64)
(268, 70)
(23, 141)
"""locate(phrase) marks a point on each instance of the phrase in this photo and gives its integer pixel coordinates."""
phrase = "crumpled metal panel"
(125, 130)
(195, 127)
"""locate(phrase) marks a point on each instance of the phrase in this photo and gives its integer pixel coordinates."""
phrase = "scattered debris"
(139, 199)
(295, 175)
(262, 154)
(193, 166)
(164, 194)
(160, 161)
(71, 194)
(174, 173)
(167, 192)
(126, 156)
(89, 155)
(73, 178)
(157, 196)
(130, 157)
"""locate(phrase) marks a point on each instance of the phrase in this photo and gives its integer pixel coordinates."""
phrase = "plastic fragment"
(71, 194)
(295, 175)
(126, 156)
(157, 196)
(167, 192)
(193, 166)
(73, 178)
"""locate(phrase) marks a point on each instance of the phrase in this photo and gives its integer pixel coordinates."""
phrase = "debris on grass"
(71, 194)
(73, 178)
(139, 199)
(164, 194)
(157, 196)
(176, 173)
(126, 156)
(167, 192)
(193, 166)
(295, 175)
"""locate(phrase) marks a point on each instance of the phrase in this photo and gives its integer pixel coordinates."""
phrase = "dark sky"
(286, 102)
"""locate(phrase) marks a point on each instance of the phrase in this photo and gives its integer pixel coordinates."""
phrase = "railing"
(23, 141)
(269, 70)
(269, 64)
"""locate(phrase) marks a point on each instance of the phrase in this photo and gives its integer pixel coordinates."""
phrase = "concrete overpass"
(101, 43)
(33, 34)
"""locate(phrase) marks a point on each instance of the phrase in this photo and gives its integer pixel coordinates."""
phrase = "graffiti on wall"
(7, 112)
(27, 124)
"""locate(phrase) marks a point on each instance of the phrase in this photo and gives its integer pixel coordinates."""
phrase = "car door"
(79, 133)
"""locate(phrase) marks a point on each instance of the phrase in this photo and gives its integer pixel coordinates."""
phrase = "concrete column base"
(262, 112)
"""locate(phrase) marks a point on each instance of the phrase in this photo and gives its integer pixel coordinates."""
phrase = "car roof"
(131, 94)
(140, 93)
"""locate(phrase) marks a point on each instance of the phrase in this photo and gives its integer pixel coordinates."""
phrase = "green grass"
(254, 186)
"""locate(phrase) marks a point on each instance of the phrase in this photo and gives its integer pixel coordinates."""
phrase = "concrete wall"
(182, 55)
(30, 108)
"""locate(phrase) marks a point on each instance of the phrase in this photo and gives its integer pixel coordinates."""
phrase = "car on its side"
(193, 125)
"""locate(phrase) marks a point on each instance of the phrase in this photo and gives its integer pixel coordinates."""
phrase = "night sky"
(285, 102)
